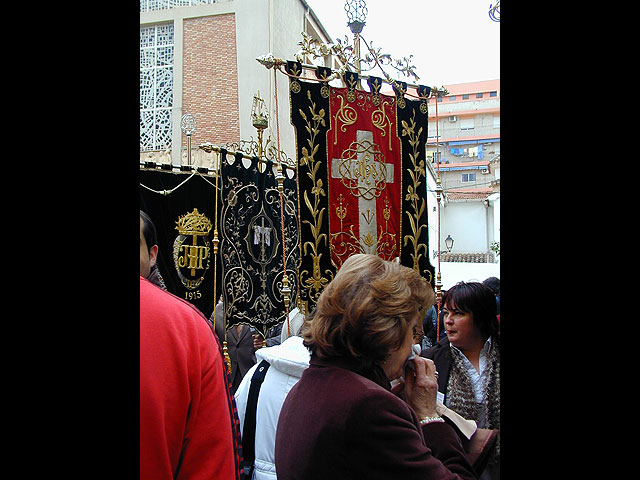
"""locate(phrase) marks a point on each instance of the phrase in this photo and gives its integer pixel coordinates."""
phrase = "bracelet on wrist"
(426, 420)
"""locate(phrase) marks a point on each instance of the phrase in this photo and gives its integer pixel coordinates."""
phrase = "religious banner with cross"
(251, 246)
(361, 174)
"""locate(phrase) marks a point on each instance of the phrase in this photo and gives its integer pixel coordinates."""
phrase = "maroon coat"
(339, 422)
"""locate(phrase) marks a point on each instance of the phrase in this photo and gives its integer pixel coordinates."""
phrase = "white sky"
(452, 41)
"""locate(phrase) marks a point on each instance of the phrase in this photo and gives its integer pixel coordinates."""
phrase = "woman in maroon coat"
(341, 420)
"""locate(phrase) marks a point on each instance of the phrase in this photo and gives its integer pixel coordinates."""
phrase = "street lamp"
(448, 243)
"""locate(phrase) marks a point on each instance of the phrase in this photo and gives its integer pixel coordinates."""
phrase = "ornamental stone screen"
(156, 86)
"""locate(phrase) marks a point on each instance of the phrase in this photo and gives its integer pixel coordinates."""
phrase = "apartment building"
(466, 141)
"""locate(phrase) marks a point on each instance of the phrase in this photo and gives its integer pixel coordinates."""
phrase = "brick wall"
(210, 86)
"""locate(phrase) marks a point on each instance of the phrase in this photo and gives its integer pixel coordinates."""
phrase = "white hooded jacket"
(288, 360)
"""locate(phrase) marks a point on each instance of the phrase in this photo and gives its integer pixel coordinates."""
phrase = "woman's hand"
(421, 387)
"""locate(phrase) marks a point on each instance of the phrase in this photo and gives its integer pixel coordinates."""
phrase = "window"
(452, 98)
(468, 177)
(478, 95)
(439, 99)
(467, 123)
(465, 96)
(156, 86)
(493, 94)
(436, 157)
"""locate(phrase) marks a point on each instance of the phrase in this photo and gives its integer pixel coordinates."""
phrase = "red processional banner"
(365, 176)
(362, 185)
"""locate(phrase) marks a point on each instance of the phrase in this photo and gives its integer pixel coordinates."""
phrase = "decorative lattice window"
(156, 86)
(150, 5)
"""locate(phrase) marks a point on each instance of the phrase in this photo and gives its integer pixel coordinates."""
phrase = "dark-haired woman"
(468, 359)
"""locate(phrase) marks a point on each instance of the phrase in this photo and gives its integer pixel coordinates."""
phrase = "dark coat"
(440, 353)
(339, 422)
(240, 349)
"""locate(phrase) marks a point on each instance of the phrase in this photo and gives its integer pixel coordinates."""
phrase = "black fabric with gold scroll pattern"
(251, 244)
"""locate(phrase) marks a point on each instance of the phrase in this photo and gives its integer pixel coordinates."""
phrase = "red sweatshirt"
(186, 410)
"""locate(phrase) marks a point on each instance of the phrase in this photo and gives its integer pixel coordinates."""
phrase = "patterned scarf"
(461, 396)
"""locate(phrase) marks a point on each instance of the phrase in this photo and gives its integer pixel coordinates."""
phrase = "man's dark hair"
(494, 284)
(148, 230)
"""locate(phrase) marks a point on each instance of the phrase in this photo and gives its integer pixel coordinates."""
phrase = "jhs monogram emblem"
(191, 250)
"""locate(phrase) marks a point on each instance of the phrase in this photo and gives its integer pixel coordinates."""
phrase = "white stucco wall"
(466, 222)
(264, 27)
(432, 218)
(454, 272)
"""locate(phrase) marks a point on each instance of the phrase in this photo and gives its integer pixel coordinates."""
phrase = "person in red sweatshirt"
(188, 421)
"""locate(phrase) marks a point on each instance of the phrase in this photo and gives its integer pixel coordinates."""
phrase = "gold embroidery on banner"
(386, 240)
(295, 85)
(346, 115)
(365, 176)
(324, 90)
(417, 204)
(316, 281)
(400, 91)
(192, 261)
(368, 216)
(380, 120)
(343, 243)
(375, 94)
(351, 93)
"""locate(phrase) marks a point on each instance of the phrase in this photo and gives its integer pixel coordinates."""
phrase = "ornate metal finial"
(286, 291)
(494, 11)
(356, 14)
(188, 124)
(269, 61)
(259, 117)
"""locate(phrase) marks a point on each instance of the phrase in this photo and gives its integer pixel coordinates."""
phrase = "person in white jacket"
(287, 362)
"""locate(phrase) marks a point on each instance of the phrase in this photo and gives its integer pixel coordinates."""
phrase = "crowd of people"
(377, 381)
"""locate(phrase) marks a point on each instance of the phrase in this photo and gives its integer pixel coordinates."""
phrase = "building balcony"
(488, 257)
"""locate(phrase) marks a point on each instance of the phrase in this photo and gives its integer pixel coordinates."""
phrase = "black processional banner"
(182, 208)
(361, 176)
(252, 245)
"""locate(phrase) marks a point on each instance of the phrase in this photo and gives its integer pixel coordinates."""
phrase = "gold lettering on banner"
(192, 260)
(193, 257)
(368, 216)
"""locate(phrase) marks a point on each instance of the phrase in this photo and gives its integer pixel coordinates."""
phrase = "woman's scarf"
(462, 399)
